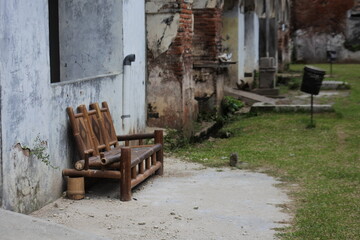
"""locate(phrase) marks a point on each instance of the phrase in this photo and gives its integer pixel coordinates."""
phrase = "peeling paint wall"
(170, 87)
(32, 108)
(231, 42)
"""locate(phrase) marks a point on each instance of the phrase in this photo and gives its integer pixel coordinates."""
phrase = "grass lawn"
(323, 162)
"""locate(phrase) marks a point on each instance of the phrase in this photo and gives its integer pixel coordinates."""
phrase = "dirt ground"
(188, 202)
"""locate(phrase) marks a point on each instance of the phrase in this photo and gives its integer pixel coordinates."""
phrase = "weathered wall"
(170, 90)
(134, 34)
(207, 46)
(326, 26)
(231, 34)
(33, 110)
(251, 46)
(312, 47)
(284, 53)
(284, 37)
(89, 38)
(272, 39)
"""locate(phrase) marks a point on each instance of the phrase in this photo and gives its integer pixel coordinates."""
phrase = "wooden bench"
(102, 155)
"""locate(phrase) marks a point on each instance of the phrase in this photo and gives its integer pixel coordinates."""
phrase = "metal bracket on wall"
(125, 116)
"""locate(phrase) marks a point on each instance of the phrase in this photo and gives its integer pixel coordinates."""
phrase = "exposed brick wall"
(174, 83)
(207, 34)
(320, 16)
(181, 46)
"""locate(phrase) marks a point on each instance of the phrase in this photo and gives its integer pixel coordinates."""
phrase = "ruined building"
(56, 54)
(195, 47)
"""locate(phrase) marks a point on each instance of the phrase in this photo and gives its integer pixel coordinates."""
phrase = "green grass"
(324, 162)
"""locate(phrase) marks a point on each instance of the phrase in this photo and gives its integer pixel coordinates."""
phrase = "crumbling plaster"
(169, 86)
(164, 29)
(201, 4)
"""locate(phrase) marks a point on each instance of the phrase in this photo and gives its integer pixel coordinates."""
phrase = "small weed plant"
(230, 105)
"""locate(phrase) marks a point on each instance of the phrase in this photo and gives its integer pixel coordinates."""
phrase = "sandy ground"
(188, 202)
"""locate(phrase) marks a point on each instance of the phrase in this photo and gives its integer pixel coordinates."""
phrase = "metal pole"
(331, 68)
(312, 110)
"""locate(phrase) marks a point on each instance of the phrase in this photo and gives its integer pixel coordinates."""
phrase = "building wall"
(230, 36)
(33, 115)
(311, 47)
(314, 35)
(207, 46)
(170, 87)
(134, 34)
(251, 46)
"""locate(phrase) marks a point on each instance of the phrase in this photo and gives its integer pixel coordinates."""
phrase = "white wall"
(32, 108)
(135, 43)
(251, 42)
(241, 45)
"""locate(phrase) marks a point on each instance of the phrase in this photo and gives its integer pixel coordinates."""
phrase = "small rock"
(156, 227)
(61, 208)
(107, 215)
(87, 198)
(141, 223)
(55, 215)
(177, 218)
(56, 205)
(196, 207)
(233, 159)
(172, 213)
(109, 227)
(91, 216)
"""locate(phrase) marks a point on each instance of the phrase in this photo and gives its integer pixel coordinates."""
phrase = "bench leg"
(160, 154)
(125, 169)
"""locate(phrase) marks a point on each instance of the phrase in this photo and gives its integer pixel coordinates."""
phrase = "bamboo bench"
(102, 155)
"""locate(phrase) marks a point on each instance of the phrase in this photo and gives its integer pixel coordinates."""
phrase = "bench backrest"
(93, 130)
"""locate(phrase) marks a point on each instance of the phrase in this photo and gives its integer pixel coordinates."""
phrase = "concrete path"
(188, 202)
(15, 226)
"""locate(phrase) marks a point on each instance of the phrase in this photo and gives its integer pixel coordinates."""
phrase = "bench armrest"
(157, 134)
(135, 136)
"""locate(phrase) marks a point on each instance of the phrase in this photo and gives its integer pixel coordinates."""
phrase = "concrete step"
(247, 97)
(317, 108)
(334, 85)
(267, 92)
